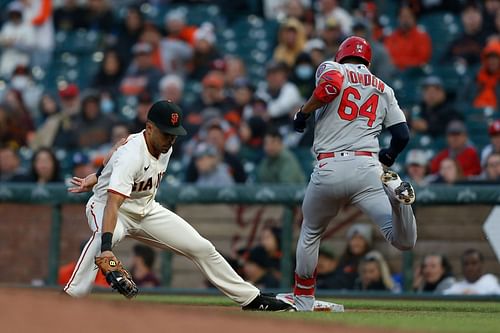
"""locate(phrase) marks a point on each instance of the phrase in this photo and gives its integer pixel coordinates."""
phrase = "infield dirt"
(37, 311)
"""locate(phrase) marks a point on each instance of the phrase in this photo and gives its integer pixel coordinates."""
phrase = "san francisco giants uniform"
(134, 173)
(348, 170)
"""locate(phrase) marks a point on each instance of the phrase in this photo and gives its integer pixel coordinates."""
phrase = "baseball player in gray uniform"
(123, 205)
(351, 106)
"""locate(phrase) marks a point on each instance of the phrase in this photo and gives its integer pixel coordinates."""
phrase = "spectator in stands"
(234, 69)
(243, 94)
(142, 75)
(144, 102)
(374, 274)
(332, 36)
(282, 96)
(490, 10)
(22, 81)
(270, 240)
(213, 95)
(316, 48)
(216, 137)
(212, 172)
(256, 269)
(251, 133)
(17, 40)
(22, 122)
(475, 281)
(39, 15)
(175, 56)
(45, 168)
(291, 41)
(433, 275)
(152, 35)
(99, 17)
(435, 111)
(172, 88)
(10, 135)
(416, 167)
(327, 263)
(93, 127)
(408, 45)
(381, 64)
(128, 34)
(81, 165)
(110, 73)
(47, 107)
(488, 90)
(491, 171)
(205, 51)
(466, 48)
(303, 74)
(142, 266)
(332, 9)
(10, 164)
(177, 28)
(458, 149)
(450, 172)
(302, 12)
(494, 146)
(279, 164)
(70, 16)
(359, 243)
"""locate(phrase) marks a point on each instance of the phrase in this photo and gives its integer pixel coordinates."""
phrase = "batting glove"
(299, 121)
(386, 157)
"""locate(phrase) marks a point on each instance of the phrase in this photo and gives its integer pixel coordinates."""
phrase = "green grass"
(420, 316)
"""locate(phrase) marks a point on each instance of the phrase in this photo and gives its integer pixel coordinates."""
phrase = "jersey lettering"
(148, 184)
(365, 80)
(349, 109)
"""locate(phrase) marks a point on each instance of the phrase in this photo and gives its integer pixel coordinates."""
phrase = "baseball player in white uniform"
(123, 205)
(351, 106)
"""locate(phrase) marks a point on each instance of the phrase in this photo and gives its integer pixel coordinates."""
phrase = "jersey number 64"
(349, 109)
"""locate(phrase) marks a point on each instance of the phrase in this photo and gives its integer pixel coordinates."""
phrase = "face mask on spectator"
(304, 71)
(107, 105)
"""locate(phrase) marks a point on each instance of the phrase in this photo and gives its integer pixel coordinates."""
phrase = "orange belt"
(330, 155)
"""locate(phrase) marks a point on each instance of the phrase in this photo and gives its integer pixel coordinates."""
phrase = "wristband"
(106, 241)
(99, 171)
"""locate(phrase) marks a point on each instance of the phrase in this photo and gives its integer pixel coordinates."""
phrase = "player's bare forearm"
(312, 105)
(111, 212)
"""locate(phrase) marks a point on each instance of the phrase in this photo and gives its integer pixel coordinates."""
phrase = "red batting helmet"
(354, 47)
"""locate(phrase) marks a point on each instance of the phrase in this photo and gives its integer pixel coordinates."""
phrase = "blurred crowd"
(361, 267)
(238, 123)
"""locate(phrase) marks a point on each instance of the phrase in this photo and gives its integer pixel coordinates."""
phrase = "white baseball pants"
(161, 228)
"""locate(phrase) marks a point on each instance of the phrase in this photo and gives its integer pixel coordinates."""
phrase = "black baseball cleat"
(268, 303)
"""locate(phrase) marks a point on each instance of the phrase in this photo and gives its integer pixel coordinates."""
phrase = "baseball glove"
(117, 276)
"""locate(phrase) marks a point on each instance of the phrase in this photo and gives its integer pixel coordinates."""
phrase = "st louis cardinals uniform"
(348, 170)
(134, 173)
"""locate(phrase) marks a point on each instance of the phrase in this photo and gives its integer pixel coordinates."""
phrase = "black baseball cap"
(167, 116)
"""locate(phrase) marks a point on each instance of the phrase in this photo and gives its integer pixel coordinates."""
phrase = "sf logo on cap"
(174, 118)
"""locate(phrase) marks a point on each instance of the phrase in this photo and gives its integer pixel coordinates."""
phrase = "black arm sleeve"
(400, 138)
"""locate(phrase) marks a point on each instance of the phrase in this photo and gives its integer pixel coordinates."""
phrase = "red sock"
(304, 287)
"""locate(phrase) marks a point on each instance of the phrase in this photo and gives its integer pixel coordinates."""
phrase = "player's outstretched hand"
(82, 185)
